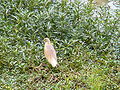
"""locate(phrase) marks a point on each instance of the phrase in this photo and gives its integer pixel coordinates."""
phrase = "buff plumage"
(50, 52)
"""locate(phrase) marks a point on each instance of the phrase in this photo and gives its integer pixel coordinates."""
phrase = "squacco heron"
(50, 52)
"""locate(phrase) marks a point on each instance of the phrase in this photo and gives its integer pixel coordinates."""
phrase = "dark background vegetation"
(87, 47)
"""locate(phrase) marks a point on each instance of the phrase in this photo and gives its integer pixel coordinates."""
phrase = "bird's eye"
(45, 40)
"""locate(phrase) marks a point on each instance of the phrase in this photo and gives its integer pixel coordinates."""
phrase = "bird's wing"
(49, 51)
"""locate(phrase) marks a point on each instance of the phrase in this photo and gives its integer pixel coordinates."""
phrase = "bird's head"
(47, 40)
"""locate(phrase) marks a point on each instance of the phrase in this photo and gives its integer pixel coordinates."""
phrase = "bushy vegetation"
(87, 47)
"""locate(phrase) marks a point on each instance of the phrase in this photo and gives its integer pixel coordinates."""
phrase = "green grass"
(87, 47)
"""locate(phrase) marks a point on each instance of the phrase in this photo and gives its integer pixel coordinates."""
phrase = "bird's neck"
(47, 42)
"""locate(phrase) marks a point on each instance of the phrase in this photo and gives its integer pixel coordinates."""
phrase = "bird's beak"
(44, 40)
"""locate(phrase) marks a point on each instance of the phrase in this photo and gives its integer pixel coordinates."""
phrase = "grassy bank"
(87, 47)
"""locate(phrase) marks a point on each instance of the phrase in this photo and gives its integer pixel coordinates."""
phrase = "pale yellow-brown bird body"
(50, 52)
(100, 2)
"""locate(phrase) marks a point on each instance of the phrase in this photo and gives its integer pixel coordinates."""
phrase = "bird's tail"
(53, 62)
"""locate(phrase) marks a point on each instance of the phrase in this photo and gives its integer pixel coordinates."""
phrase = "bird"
(50, 52)
(100, 2)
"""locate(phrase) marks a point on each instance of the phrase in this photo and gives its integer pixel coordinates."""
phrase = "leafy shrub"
(79, 38)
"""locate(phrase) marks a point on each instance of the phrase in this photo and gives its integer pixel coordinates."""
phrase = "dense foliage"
(87, 46)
